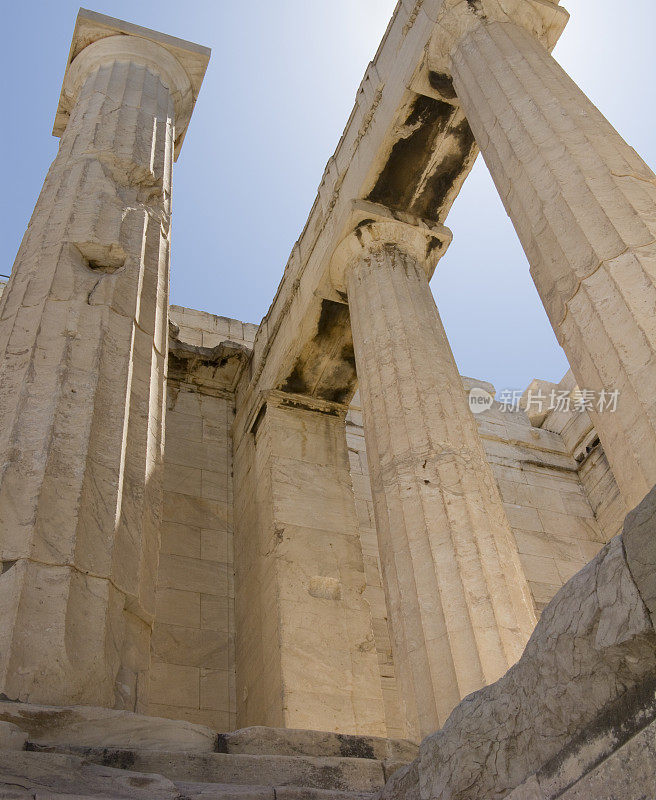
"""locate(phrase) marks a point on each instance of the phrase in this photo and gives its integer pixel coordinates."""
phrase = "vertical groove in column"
(584, 206)
(457, 623)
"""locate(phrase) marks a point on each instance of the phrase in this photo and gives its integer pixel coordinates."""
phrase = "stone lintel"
(91, 27)
(280, 399)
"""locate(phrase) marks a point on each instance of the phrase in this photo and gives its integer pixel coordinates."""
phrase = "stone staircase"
(251, 764)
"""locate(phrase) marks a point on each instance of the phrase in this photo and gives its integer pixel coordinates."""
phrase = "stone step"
(258, 740)
(26, 775)
(351, 775)
(82, 726)
(227, 791)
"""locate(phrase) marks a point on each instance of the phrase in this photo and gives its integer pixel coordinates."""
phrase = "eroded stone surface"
(341, 774)
(640, 545)
(12, 737)
(59, 775)
(290, 742)
(626, 772)
(102, 727)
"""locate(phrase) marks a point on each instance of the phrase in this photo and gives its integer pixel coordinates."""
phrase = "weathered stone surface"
(594, 642)
(83, 342)
(458, 602)
(640, 545)
(290, 742)
(630, 717)
(613, 759)
(303, 793)
(583, 204)
(305, 650)
(66, 777)
(101, 727)
(12, 737)
(199, 791)
(342, 774)
(224, 791)
(628, 774)
(403, 784)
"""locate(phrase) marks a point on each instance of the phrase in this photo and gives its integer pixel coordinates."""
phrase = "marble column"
(83, 347)
(305, 650)
(582, 202)
(459, 606)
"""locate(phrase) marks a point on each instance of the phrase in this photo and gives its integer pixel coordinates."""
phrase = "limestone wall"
(560, 496)
(547, 506)
(192, 673)
(581, 439)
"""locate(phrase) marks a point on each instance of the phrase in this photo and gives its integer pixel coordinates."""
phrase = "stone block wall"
(558, 491)
(192, 671)
(580, 438)
(548, 509)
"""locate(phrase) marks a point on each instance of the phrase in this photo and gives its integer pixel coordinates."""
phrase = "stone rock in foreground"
(86, 726)
(640, 546)
(594, 643)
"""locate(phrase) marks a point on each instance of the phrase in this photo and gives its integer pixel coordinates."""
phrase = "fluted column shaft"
(83, 343)
(459, 606)
(584, 206)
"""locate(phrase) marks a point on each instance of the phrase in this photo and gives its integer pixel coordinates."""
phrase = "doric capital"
(98, 40)
(544, 19)
(374, 226)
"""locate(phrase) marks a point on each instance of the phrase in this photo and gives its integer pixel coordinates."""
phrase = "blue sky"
(279, 90)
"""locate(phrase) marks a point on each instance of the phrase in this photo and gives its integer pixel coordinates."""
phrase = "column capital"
(544, 19)
(373, 226)
(98, 39)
